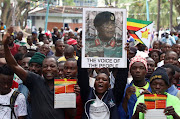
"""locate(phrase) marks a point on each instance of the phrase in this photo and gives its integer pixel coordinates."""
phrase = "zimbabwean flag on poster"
(140, 30)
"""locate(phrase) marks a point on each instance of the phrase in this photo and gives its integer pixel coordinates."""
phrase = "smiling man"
(159, 83)
(41, 88)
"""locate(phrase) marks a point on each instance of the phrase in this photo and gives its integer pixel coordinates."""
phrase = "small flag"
(135, 25)
(155, 101)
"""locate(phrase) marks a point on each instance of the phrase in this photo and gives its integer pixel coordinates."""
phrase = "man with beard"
(41, 88)
(105, 43)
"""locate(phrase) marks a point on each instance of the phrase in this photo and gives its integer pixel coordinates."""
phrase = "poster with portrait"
(104, 38)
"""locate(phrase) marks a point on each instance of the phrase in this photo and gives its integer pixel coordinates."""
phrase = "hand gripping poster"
(104, 38)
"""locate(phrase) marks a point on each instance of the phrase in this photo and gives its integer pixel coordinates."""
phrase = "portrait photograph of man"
(104, 34)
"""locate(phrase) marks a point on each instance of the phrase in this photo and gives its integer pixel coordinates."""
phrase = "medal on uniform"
(97, 41)
(112, 43)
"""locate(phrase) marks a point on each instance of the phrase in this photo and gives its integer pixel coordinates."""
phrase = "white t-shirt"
(98, 110)
(20, 108)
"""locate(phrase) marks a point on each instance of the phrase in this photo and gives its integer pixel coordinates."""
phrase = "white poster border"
(94, 62)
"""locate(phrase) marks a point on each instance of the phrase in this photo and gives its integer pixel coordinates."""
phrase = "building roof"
(58, 9)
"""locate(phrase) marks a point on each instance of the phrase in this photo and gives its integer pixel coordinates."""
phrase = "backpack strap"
(12, 102)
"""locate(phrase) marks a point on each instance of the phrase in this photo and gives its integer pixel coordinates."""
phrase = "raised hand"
(129, 91)
(6, 36)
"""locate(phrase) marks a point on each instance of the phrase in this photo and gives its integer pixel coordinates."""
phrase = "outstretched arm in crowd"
(10, 59)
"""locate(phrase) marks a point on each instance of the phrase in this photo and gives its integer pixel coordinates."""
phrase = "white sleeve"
(21, 109)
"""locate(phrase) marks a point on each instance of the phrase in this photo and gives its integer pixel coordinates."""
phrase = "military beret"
(103, 17)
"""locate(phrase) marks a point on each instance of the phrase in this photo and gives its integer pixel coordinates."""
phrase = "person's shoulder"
(32, 75)
(140, 99)
(62, 59)
(172, 97)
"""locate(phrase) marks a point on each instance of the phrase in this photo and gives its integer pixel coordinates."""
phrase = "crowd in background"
(58, 54)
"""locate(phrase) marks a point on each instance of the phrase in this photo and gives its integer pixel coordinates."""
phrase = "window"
(74, 20)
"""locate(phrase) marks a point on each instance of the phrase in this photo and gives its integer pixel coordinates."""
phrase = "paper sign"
(64, 96)
(155, 114)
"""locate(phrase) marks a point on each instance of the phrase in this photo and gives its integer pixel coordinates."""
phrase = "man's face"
(138, 71)
(101, 84)
(162, 56)
(177, 49)
(21, 50)
(155, 57)
(5, 84)
(156, 45)
(171, 58)
(151, 66)
(158, 86)
(70, 69)
(107, 29)
(166, 48)
(36, 68)
(11, 40)
(44, 49)
(61, 68)
(25, 63)
(29, 40)
(168, 71)
(59, 47)
(49, 69)
(176, 78)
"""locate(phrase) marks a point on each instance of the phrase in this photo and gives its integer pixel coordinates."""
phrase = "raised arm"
(20, 72)
(83, 81)
(120, 84)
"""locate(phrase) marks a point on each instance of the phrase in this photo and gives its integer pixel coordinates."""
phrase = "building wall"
(39, 22)
(55, 19)
(51, 25)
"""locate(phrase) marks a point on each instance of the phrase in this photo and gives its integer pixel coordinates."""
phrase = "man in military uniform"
(104, 44)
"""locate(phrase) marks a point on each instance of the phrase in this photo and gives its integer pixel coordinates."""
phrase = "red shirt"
(79, 108)
(14, 50)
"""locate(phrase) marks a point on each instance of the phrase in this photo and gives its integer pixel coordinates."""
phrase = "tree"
(138, 11)
(19, 9)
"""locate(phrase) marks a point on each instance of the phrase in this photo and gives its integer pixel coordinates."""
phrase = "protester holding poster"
(101, 101)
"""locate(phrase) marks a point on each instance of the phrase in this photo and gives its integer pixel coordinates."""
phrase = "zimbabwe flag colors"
(64, 85)
(155, 101)
(134, 25)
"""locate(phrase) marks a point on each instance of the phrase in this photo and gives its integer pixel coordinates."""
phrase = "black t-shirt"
(42, 98)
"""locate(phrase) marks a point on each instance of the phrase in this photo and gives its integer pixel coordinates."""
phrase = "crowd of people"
(29, 65)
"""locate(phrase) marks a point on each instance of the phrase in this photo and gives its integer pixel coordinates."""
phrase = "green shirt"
(170, 101)
(138, 89)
